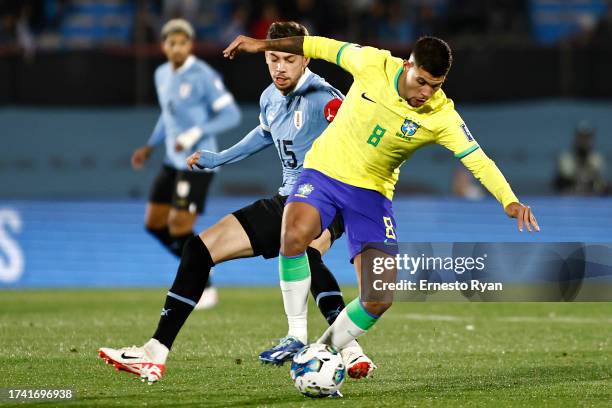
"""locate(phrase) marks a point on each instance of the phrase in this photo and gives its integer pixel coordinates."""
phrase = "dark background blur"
(104, 52)
(77, 84)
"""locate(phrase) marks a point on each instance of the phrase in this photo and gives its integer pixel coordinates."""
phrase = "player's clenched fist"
(243, 44)
(524, 216)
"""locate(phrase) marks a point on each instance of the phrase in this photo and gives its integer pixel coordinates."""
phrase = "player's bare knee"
(152, 228)
(214, 236)
(377, 308)
(153, 222)
(323, 243)
(180, 224)
(227, 240)
(294, 241)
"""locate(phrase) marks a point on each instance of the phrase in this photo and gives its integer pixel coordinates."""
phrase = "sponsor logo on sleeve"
(331, 109)
(467, 133)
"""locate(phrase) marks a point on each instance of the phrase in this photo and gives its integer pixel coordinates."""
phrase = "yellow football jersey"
(376, 130)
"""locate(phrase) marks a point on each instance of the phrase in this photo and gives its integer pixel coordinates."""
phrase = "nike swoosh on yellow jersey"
(364, 96)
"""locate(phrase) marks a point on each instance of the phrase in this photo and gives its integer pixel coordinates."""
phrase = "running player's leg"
(301, 225)
(180, 227)
(326, 291)
(190, 191)
(262, 221)
(188, 201)
(159, 206)
(223, 241)
(374, 225)
(308, 212)
(230, 238)
(323, 286)
(156, 222)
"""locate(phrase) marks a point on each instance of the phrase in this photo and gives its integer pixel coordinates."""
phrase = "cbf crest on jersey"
(298, 120)
(409, 128)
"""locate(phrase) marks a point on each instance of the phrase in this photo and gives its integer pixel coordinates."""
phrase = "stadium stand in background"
(92, 23)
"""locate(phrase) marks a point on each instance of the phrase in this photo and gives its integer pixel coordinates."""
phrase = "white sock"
(353, 343)
(342, 332)
(295, 300)
(294, 274)
(353, 321)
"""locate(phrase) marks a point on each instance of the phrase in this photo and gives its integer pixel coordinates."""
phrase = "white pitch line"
(508, 319)
(434, 318)
(554, 319)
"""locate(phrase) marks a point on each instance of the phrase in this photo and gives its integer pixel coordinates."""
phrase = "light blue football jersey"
(294, 121)
(191, 96)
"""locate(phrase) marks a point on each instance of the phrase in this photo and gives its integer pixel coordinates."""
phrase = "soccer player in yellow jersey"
(393, 108)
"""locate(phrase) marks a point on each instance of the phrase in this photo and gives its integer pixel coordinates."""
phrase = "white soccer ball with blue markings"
(317, 370)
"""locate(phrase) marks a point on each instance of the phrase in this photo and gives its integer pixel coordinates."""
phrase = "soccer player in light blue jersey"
(195, 106)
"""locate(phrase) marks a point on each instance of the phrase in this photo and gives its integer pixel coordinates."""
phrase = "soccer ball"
(317, 370)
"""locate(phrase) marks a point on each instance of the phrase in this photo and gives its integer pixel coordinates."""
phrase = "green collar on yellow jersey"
(396, 80)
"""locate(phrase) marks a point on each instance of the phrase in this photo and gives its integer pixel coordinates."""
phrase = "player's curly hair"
(282, 29)
(433, 55)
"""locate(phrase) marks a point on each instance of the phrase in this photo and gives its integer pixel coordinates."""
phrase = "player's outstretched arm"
(292, 45)
(256, 140)
(524, 216)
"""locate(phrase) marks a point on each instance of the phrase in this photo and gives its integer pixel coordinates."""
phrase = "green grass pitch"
(428, 354)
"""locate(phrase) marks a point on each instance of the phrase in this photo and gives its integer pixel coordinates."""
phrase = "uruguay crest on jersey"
(185, 90)
(298, 119)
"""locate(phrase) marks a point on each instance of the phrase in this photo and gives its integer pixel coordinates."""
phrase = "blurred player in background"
(194, 107)
(393, 107)
(294, 110)
(581, 170)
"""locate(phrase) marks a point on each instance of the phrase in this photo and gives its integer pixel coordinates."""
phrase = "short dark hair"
(433, 55)
(282, 29)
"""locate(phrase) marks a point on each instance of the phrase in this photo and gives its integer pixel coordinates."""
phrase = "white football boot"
(148, 362)
(358, 365)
